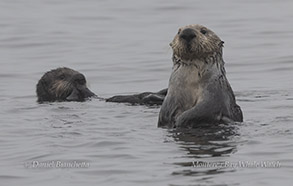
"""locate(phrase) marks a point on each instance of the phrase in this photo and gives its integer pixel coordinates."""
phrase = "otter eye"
(62, 76)
(203, 31)
(179, 31)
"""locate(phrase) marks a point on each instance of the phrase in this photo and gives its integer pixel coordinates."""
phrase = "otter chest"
(185, 84)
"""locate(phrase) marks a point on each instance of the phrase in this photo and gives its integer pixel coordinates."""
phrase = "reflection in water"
(201, 144)
(123, 49)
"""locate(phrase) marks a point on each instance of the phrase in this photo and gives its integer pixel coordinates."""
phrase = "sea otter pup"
(63, 84)
(198, 91)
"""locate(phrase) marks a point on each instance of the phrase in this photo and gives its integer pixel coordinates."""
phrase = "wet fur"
(198, 91)
(57, 85)
(145, 98)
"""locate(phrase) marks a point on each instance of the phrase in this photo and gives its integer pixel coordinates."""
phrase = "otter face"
(195, 42)
(63, 84)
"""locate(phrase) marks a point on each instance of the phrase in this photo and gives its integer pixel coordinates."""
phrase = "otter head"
(63, 84)
(195, 42)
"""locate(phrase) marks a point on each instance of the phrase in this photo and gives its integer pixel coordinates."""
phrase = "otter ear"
(221, 44)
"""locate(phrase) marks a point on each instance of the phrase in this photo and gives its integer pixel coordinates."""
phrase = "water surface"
(122, 47)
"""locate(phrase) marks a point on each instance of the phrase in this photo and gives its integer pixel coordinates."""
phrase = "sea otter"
(63, 84)
(198, 91)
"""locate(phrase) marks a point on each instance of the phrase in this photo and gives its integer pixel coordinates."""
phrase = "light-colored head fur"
(204, 43)
(203, 48)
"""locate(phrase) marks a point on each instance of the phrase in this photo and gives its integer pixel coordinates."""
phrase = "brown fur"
(62, 84)
(201, 46)
(198, 91)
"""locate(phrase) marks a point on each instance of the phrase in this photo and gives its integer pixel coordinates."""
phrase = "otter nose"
(79, 78)
(187, 34)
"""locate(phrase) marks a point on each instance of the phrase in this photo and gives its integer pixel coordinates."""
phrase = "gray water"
(122, 47)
